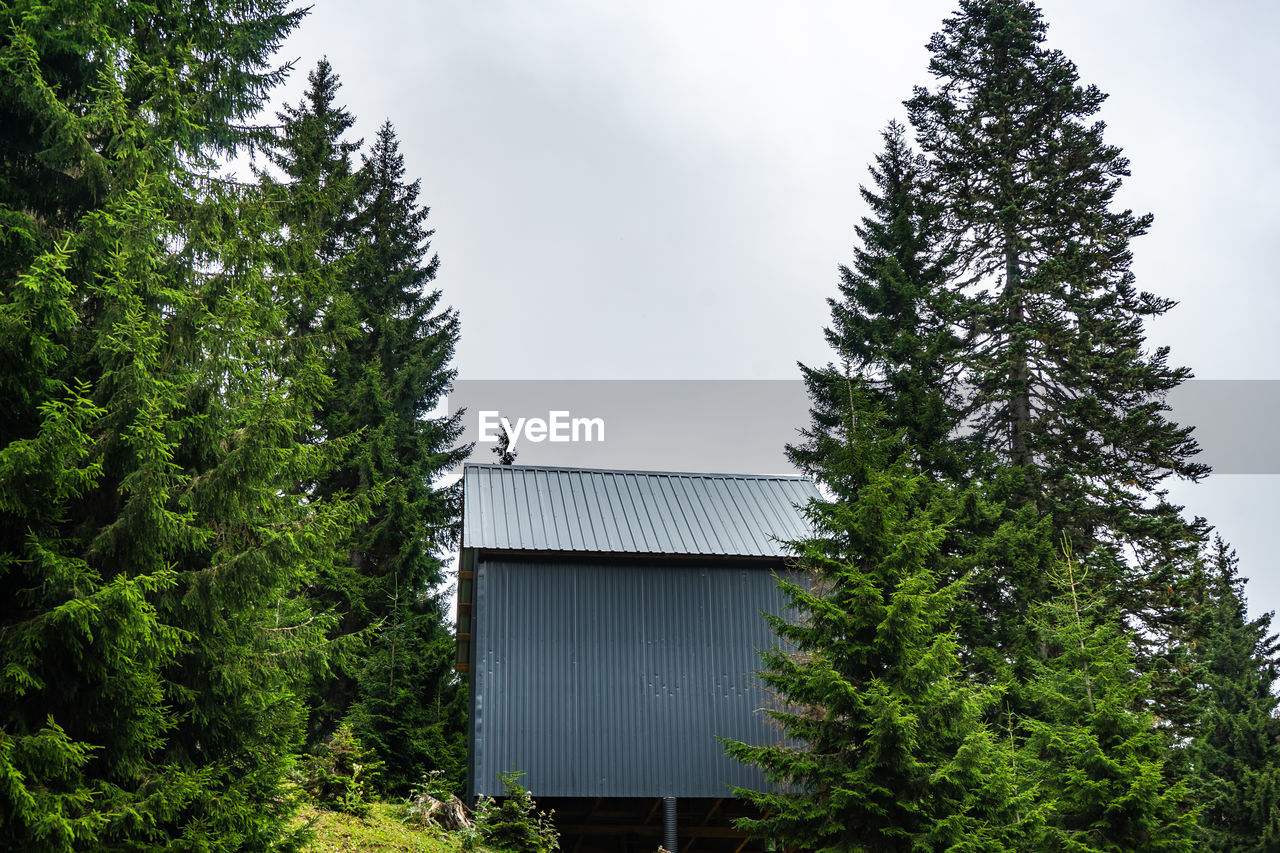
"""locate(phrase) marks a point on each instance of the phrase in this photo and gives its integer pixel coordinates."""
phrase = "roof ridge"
(657, 473)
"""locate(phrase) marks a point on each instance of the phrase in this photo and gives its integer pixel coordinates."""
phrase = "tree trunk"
(1019, 370)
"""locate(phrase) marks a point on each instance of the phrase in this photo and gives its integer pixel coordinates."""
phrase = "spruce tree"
(886, 747)
(1066, 413)
(317, 189)
(355, 243)
(387, 380)
(1011, 295)
(1062, 384)
(1234, 755)
(148, 529)
(314, 185)
(892, 324)
(1091, 740)
(896, 328)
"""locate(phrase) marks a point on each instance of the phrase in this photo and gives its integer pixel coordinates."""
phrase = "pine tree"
(1063, 384)
(148, 531)
(997, 271)
(886, 747)
(1091, 740)
(1235, 754)
(388, 379)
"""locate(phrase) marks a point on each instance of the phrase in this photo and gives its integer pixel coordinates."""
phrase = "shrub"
(514, 825)
(341, 774)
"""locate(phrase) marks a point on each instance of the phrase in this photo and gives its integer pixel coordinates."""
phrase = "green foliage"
(434, 783)
(152, 535)
(434, 788)
(411, 708)
(1235, 753)
(892, 325)
(1091, 740)
(393, 370)
(1028, 187)
(357, 243)
(1061, 381)
(341, 774)
(514, 824)
(991, 320)
(166, 362)
(314, 203)
(886, 746)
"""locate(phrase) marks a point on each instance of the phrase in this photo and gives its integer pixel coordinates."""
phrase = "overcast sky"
(664, 189)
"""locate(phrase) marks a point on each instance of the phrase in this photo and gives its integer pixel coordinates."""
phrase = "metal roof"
(534, 508)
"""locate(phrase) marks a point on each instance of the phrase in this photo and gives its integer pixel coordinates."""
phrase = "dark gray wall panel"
(614, 680)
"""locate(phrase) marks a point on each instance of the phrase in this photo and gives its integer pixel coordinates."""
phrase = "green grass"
(381, 832)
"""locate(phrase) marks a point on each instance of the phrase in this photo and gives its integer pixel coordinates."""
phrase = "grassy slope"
(381, 832)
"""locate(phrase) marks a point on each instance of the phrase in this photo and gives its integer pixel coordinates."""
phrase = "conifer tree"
(388, 379)
(998, 270)
(895, 328)
(318, 189)
(356, 243)
(892, 324)
(148, 529)
(1234, 755)
(1091, 741)
(886, 747)
(315, 188)
(1063, 385)
(1065, 415)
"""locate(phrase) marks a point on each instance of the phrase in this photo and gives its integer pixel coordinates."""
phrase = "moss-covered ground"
(383, 831)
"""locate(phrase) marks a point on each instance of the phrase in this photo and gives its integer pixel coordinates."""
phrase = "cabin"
(609, 624)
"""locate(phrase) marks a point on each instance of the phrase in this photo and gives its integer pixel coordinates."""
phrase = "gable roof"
(535, 508)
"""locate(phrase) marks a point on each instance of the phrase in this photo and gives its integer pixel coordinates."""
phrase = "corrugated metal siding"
(600, 680)
(643, 512)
